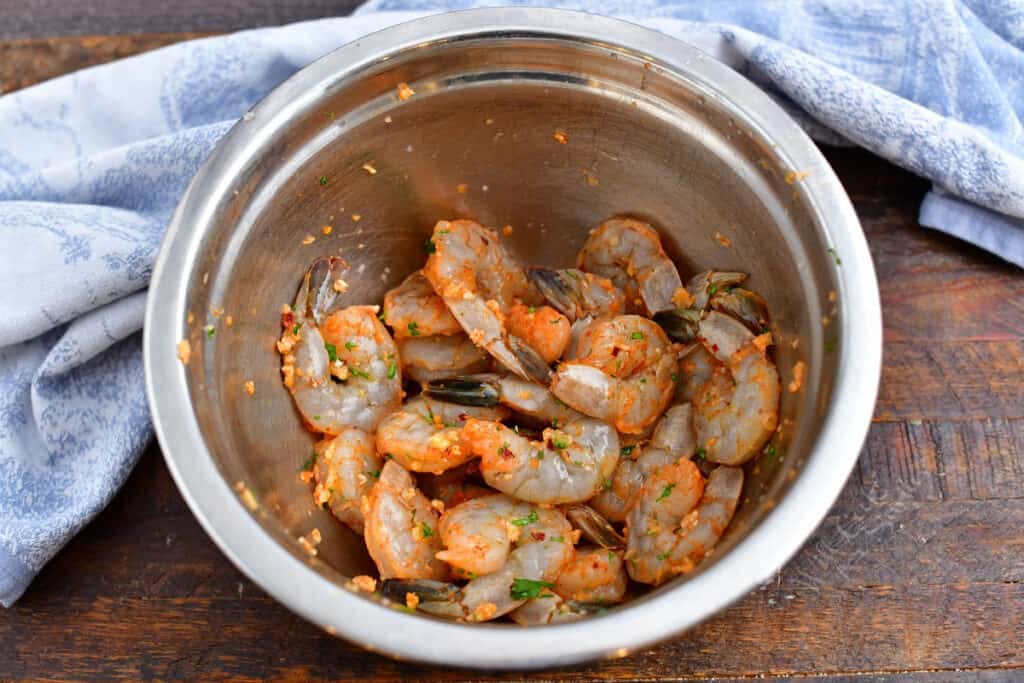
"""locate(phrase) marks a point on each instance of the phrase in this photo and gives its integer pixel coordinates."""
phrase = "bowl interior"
(478, 140)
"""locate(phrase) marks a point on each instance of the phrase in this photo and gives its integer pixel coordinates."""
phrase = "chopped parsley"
(701, 453)
(666, 491)
(606, 485)
(210, 330)
(560, 444)
(429, 246)
(526, 589)
(356, 372)
(426, 531)
(611, 556)
(675, 377)
(539, 455)
(555, 321)
(664, 556)
(504, 451)
(308, 465)
(835, 256)
(350, 345)
(316, 417)
(626, 450)
(529, 519)
(392, 370)
(830, 346)
(414, 328)
(558, 539)
(637, 335)
(532, 309)
(770, 451)
(323, 180)
(295, 329)
(571, 273)
(332, 351)
(374, 475)
(712, 290)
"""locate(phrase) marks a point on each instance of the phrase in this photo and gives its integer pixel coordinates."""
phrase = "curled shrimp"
(543, 328)
(567, 466)
(673, 439)
(401, 527)
(345, 469)
(578, 294)
(423, 436)
(413, 309)
(553, 609)
(696, 365)
(428, 358)
(593, 575)
(629, 253)
(622, 374)
(489, 389)
(511, 551)
(678, 519)
(736, 411)
(479, 281)
(341, 368)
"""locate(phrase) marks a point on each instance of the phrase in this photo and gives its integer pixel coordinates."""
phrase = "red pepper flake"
(538, 535)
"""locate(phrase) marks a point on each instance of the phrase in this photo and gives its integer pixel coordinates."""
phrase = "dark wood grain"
(917, 574)
(52, 18)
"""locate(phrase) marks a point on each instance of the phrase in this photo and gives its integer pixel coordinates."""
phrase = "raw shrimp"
(413, 309)
(543, 328)
(479, 281)
(552, 609)
(673, 439)
(345, 468)
(696, 365)
(629, 253)
(568, 466)
(736, 411)
(593, 575)
(719, 291)
(401, 528)
(341, 368)
(511, 551)
(489, 389)
(623, 373)
(578, 294)
(678, 519)
(428, 358)
(423, 436)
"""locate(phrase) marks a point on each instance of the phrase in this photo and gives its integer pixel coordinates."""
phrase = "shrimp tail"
(555, 289)
(594, 527)
(465, 391)
(317, 293)
(439, 598)
(680, 324)
(748, 307)
(530, 361)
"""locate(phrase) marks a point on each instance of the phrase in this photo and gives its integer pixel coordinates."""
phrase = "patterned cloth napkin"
(92, 164)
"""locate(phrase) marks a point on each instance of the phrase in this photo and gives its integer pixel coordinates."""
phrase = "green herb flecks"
(429, 247)
(835, 256)
(529, 519)
(636, 335)
(356, 372)
(666, 491)
(392, 370)
(332, 351)
(414, 328)
(527, 589)
(426, 531)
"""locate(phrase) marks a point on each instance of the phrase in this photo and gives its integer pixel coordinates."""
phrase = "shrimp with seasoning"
(423, 436)
(673, 439)
(678, 519)
(737, 410)
(429, 358)
(716, 290)
(489, 389)
(345, 468)
(413, 309)
(578, 294)
(511, 552)
(401, 527)
(622, 374)
(593, 579)
(543, 328)
(341, 367)
(567, 466)
(629, 253)
(479, 281)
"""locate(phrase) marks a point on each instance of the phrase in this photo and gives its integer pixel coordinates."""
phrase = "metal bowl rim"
(751, 562)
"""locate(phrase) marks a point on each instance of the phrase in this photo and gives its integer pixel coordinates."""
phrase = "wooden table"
(916, 575)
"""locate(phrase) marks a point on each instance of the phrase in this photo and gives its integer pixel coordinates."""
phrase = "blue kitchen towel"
(92, 164)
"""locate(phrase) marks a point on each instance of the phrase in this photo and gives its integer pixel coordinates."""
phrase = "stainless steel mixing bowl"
(654, 128)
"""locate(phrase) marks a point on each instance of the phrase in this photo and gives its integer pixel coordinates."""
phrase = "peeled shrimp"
(696, 365)
(736, 411)
(568, 466)
(488, 389)
(413, 309)
(428, 358)
(511, 551)
(629, 253)
(673, 439)
(677, 519)
(479, 281)
(401, 528)
(423, 436)
(578, 294)
(543, 328)
(341, 368)
(345, 469)
(623, 373)
(594, 575)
